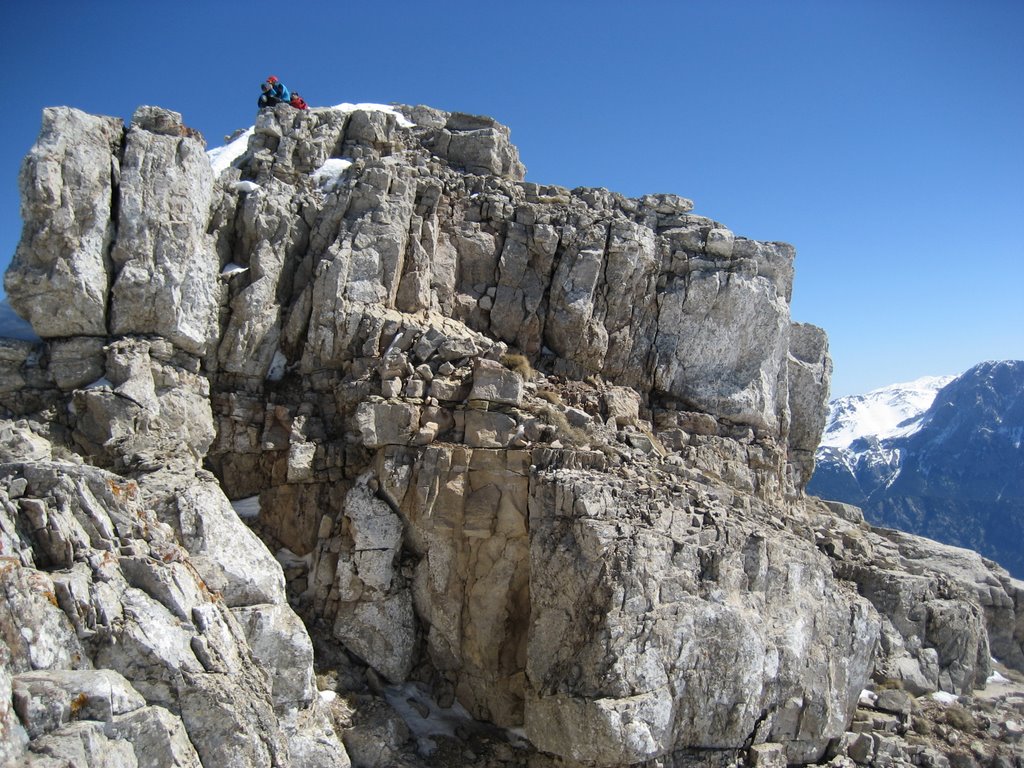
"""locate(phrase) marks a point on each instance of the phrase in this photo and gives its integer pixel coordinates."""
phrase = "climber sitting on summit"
(274, 92)
(267, 98)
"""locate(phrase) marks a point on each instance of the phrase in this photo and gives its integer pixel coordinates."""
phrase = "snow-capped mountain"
(891, 411)
(940, 456)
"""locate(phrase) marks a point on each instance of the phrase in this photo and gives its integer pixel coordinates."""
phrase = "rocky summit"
(353, 447)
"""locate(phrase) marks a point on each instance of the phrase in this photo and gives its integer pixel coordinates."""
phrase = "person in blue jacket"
(274, 92)
(279, 89)
(268, 98)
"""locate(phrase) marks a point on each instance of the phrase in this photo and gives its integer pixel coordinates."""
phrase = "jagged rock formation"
(538, 451)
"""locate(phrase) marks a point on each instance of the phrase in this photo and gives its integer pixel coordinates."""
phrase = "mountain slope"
(949, 468)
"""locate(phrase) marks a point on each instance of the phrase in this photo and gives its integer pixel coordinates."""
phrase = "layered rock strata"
(539, 450)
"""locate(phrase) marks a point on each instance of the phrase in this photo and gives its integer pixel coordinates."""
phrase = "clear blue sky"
(884, 139)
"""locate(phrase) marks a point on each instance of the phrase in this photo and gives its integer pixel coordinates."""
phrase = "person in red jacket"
(298, 102)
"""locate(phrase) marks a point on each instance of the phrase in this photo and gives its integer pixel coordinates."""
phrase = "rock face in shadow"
(538, 451)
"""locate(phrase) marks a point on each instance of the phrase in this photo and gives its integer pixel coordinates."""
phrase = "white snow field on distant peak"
(221, 158)
(892, 411)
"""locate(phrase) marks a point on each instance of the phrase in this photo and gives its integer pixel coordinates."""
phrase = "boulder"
(165, 264)
(60, 277)
(158, 738)
(228, 556)
(495, 383)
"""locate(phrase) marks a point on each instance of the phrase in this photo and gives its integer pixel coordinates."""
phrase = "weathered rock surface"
(519, 457)
(165, 263)
(60, 277)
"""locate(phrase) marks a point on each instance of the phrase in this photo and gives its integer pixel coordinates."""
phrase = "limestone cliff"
(532, 452)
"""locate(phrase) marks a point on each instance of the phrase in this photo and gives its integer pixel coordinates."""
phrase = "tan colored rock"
(387, 423)
(495, 383)
(623, 405)
(486, 429)
(471, 583)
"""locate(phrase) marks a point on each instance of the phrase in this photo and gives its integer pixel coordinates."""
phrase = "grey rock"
(281, 646)
(229, 726)
(158, 738)
(60, 276)
(387, 423)
(148, 406)
(895, 701)
(47, 699)
(84, 743)
(479, 145)
(13, 738)
(35, 630)
(375, 618)
(666, 593)
(768, 756)
(313, 742)
(165, 261)
(861, 747)
(76, 362)
(229, 556)
(19, 443)
(810, 371)
(111, 633)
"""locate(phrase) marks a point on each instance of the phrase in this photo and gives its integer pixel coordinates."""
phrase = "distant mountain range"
(941, 457)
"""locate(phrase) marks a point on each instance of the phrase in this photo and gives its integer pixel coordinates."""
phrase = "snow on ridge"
(886, 412)
(247, 508)
(231, 268)
(328, 174)
(221, 158)
(403, 121)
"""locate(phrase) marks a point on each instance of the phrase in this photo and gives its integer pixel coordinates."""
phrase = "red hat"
(271, 79)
